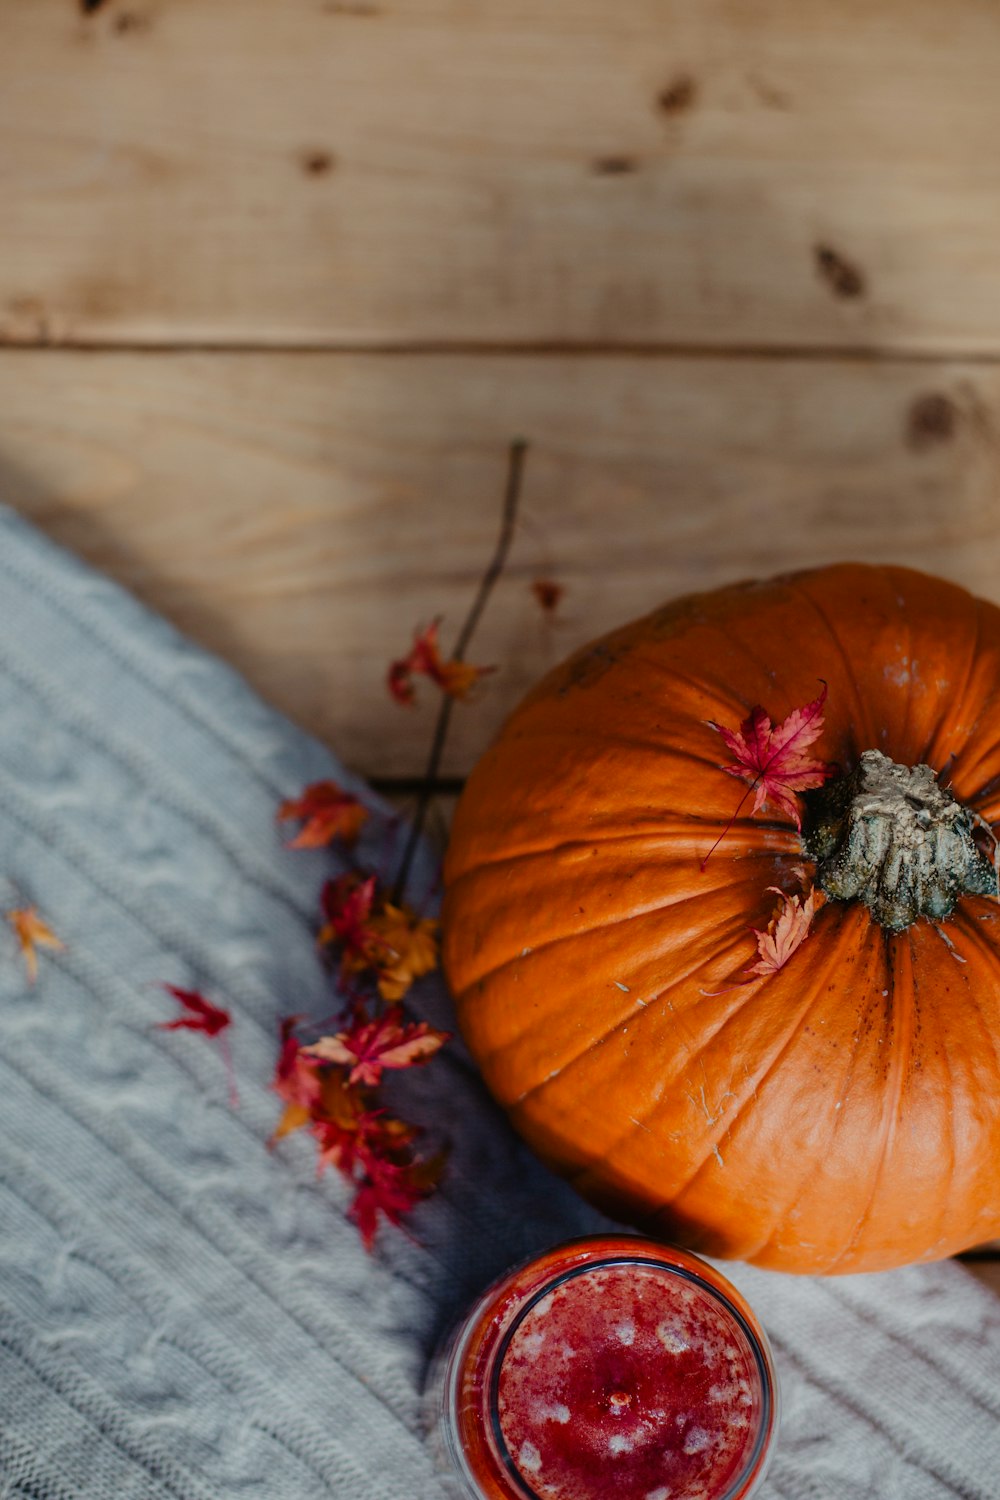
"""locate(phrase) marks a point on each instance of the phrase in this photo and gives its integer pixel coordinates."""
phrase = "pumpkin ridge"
(899, 1044)
(753, 992)
(583, 932)
(864, 731)
(958, 699)
(640, 1008)
(728, 704)
(757, 1251)
(949, 1115)
(974, 934)
(526, 734)
(844, 936)
(752, 830)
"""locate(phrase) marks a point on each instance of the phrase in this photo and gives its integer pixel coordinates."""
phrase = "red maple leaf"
(327, 813)
(392, 1190)
(772, 759)
(368, 1047)
(786, 931)
(211, 1019)
(347, 905)
(296, 1080)
(456, 678)
(205, 1017)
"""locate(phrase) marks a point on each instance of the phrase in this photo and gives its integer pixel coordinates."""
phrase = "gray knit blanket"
(186, 1315)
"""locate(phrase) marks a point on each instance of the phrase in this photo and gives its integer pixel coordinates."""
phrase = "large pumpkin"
(842, 1113)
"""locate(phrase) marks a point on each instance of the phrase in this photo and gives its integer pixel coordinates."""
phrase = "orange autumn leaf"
(784, 934)
(409, 948)
(327, 813)
(369, 1047)
(32, 934)
(455, 678)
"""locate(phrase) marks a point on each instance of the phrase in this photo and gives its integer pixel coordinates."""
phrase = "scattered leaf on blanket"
(346, 904)
(409, 948)
(296, 1080)
(786, 931)
(352, 1132)
(368, 1047)
(32, 934)
(548, 593)
(203, 1015)
(327, 813)
(392, 1191)
(373, 935)
(455, 678)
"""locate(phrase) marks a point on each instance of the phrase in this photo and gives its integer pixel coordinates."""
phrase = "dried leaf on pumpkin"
(772, 759)
(784, 934)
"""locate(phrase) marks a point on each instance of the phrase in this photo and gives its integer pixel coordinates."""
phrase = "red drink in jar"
(610, 1368)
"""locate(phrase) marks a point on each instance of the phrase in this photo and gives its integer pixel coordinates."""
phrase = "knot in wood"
(891, 837)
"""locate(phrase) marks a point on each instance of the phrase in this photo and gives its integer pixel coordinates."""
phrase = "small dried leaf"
(548, 593)
(327, 813)
(456, 678)
(371, 1046)
(392, 1190)
(207, 1018)
(409, 948)
(786, 931)
(204, 1016)
(347, 906)
(32, 934)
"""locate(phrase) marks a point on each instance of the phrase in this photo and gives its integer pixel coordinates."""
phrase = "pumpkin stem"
(893, 838)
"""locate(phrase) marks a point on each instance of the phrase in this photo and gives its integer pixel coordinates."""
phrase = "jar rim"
(483, 1342)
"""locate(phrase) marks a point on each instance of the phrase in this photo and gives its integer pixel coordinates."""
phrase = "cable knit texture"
(185, 1315)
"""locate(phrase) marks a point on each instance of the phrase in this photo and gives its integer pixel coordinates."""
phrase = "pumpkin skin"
(840, 1115)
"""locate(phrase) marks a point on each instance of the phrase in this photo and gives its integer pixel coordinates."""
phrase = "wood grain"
(301, 514)
(791, 174)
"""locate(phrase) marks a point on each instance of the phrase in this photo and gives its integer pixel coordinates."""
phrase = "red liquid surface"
(629, 1382)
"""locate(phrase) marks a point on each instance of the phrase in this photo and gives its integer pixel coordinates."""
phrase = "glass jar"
(610, 1366)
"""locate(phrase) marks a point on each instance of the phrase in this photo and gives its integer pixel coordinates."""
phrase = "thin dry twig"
(512, 494)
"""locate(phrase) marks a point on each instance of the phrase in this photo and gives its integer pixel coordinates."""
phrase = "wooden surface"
(787, 173)
(302, 513)
(280, 282)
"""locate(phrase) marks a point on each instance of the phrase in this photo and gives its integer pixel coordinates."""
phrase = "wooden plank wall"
(279, 283)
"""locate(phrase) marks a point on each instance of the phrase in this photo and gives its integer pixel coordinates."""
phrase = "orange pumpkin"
(843, 1113)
